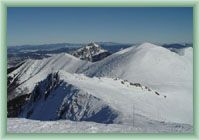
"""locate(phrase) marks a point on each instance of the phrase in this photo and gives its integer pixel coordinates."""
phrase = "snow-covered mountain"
(142, 84)
(33, 71)
(56, 98)
(105, 100)
(91, 52)
(147, 63)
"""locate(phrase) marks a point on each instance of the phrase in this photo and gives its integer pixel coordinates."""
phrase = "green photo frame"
(4, 4)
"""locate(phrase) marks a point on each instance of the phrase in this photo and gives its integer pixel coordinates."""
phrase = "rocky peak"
(91, 52)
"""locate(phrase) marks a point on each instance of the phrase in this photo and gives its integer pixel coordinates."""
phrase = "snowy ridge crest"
(54, 99)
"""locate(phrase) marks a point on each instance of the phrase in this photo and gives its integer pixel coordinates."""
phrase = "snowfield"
(146, 88)
(17, 125)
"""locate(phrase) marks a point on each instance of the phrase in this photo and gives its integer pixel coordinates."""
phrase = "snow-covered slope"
(132, 101)
(91, 52)
(147, 63)
(33, 71)
(156, 67)
(55, 98)
(188, 53)
(18, 125)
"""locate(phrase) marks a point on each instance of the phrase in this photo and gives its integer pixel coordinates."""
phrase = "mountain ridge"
(146, 65)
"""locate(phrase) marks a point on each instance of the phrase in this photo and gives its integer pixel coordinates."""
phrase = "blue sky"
(82, 25)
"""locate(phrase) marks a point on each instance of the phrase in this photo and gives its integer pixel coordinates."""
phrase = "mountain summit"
(91, 52)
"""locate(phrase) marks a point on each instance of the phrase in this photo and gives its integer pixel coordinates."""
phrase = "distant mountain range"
(17, 54)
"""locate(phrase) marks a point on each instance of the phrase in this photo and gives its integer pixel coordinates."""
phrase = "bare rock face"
(54, 99)
(91, 52)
